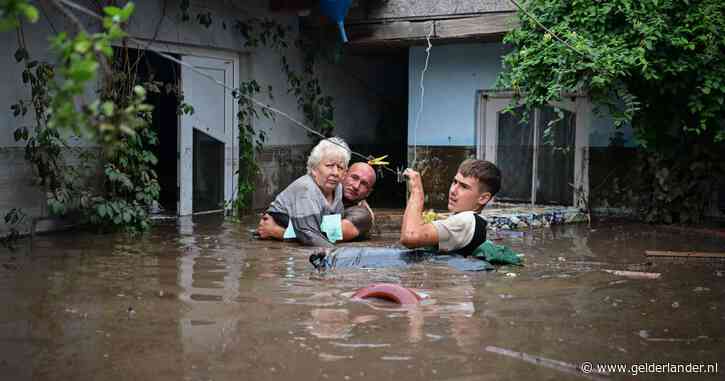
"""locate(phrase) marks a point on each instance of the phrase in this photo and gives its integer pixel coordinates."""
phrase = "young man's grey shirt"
(304, 204)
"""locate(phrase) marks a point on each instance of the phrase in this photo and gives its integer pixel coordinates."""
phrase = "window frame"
(493, 101)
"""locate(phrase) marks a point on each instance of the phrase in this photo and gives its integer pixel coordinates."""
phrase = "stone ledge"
(513, 218)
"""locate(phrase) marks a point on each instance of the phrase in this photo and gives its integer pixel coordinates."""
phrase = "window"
(541, 153)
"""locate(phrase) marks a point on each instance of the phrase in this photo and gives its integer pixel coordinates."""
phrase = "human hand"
(267, 228)
(414, 180)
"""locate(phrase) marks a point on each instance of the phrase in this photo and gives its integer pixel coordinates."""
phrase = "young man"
(476, 182)
(357, 218)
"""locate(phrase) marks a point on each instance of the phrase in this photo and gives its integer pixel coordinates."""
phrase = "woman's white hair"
(328, 148)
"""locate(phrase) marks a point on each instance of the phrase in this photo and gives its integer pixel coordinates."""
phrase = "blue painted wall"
(455, 73)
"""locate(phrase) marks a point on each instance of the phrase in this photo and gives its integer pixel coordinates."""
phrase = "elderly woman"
(318, 193)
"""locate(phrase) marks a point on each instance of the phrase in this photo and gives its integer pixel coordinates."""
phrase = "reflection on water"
(199, 299)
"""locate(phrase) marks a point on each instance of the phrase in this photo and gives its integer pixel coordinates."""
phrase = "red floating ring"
(388, 291)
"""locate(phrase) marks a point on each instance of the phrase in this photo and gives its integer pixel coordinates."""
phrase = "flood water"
(202, 300)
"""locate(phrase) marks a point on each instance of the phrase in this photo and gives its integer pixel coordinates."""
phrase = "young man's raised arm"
(414, 233)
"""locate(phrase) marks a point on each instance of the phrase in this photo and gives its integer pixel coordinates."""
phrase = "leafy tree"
(656, 64)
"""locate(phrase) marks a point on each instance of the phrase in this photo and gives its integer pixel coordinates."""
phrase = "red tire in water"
(388, 291)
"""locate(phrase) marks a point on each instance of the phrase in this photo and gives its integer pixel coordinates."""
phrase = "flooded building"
(392, 93)
(455, 110)
(198, 153)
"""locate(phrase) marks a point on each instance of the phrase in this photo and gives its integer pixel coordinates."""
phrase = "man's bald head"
(358, 182)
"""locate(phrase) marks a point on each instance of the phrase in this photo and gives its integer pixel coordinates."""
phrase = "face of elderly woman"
(328, 174)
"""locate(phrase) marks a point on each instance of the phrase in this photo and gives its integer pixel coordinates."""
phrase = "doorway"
(161, 77)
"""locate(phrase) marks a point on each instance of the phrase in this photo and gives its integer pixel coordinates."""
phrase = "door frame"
(579, 103)
(239, 60)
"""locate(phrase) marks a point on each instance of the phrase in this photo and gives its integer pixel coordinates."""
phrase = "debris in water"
(545, 362)
(331, 357)
(634, 274)
(696, 254)
(645, 335)
(675, 304)
(511, 275)
(396, 358)
(701, 289)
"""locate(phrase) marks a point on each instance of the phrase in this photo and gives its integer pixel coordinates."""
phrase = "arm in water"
(268, 229)
(414, 232)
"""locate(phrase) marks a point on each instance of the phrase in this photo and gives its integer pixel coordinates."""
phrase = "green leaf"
(107, 108)
(112, 11)
(82, 44)
(127, 11)
(31, 13)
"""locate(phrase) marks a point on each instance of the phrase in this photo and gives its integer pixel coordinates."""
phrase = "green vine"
(118, 121)
(316, 107)
(13, 218)
(250, 142)
(657, 66)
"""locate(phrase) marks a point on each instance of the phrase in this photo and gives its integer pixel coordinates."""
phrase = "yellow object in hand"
(429, 216)
(378, 161)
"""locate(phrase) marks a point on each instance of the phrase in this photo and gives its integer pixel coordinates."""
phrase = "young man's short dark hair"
(487, 174)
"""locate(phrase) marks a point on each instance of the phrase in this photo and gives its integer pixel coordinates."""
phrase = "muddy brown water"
(201, 300)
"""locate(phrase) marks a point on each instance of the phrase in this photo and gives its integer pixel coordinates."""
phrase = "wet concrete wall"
(356, 97)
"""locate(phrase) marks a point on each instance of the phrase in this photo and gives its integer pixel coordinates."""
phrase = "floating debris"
(360, 345)
(396, 358)
(634, 274)
(694, 254)
(331, 357)
(545, 362)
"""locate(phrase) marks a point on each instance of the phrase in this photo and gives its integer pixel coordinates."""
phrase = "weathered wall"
(406, 9)
(455, 73)
(357, 107)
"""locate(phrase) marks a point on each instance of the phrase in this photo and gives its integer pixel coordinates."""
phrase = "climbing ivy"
(657, 65)
(117, 120)
(317, 108)
(13, 218)
(250, 142)
(12, 12)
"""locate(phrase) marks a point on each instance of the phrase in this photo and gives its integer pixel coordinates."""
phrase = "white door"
(542, 157)
(213, 116)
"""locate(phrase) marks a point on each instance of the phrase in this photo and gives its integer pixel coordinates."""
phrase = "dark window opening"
(208, 173)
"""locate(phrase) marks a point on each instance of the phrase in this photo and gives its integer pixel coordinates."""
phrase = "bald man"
(358, 218)
(357, 185)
